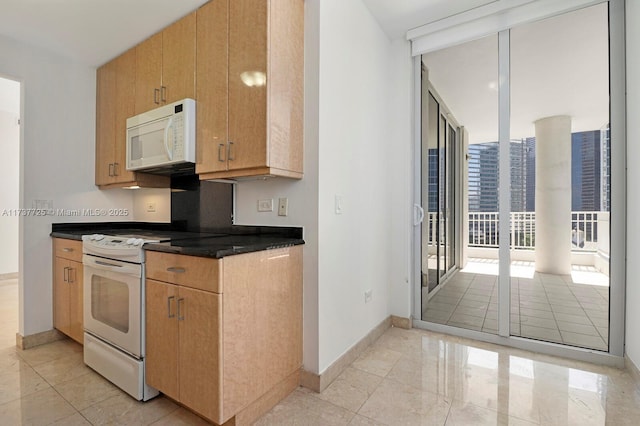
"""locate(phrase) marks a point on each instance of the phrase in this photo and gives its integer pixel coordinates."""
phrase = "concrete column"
(553, 195)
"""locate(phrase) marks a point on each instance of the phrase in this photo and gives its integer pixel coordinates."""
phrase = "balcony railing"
(484, 230)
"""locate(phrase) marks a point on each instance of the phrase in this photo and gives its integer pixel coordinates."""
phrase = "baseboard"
(266, 402)
(401, 322)
(319, 382)
(632, 368)
(32, 340)
(9, 276)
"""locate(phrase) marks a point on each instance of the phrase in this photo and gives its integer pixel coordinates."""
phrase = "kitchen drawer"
(188, 271)
(67, 249)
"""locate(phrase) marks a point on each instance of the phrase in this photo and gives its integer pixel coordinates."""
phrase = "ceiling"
(94, 31)
(89, 31)
(559, 66)
(562, 61)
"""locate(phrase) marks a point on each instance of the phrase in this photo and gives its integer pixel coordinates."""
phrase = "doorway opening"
(9, 213)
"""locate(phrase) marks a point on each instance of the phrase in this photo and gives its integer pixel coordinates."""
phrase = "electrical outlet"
(151, 206)
(283, 206)
(265, 205)
(368, 295)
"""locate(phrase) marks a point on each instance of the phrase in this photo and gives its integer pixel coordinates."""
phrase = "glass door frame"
(618, 199)
(453, 188)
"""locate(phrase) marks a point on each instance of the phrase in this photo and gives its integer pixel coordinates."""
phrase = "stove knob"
(97, 237)
(131, 241)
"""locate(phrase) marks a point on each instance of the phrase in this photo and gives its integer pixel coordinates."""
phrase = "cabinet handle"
(115, 169)
(169, 314)
(67, 249)
(66, 274)
(180, 317)
(72, 277)
(163, 93)
(176, 270)
(156, 94)
(111, 169)
(230, 151)
(220, 150)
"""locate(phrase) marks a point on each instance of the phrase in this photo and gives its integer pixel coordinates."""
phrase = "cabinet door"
(200, 319)
(148, 73)
(105, 122)
(162, 337)
(61, 319)
(179, 60)
(211, 86)
(76, 323)
(124, 108)
(247, 97)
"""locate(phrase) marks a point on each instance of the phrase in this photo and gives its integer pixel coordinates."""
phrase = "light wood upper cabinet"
(115, 102)
(105, 122)
(212, 63)
(67, 288)
(115, 87)
(165, 66)
(148, 74)
(262, 86)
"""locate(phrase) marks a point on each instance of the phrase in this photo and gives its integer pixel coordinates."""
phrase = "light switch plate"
(338, 204)
(283, 206)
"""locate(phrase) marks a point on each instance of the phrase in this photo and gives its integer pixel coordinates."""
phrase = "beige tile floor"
(569, 309)
(407, 377)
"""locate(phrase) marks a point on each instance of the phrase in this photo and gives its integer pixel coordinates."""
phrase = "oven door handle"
(92, 263)
(112, 265)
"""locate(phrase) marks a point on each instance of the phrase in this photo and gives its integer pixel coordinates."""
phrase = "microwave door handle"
(166, 138)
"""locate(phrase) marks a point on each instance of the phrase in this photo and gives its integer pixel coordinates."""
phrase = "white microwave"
(162, 137)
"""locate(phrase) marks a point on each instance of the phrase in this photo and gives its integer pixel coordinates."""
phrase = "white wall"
(401, 177)
(357, 128)
(9, 173)
(355, 145)
(58, 152)
(632, 338)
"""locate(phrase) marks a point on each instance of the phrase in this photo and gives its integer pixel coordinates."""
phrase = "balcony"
(570, 309)
(590, 237)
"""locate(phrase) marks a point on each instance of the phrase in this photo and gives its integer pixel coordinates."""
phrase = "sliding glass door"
(517, 182)
(438, 192)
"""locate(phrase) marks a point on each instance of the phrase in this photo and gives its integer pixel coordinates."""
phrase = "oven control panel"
(113, 241)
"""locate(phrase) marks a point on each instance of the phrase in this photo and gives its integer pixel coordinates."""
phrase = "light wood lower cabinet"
(225, 353)
(183, 345)
(67, 288)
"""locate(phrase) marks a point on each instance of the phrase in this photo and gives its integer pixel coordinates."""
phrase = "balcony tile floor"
(569, 309)
(407, 377)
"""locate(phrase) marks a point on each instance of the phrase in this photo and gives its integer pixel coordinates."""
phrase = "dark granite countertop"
(222, 246)
(215, 243)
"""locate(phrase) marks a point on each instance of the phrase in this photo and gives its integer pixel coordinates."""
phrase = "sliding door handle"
(418, 214)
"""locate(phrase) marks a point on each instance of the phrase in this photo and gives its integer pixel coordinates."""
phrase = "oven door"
(113, 302)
